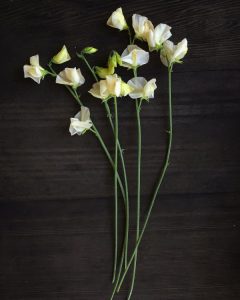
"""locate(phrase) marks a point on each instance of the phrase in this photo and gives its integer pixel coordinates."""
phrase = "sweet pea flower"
(158, 36)
(112, 86)
(62, 56)
(133, 57)
(142, 88)
(171, 53)
(70, 76)
(34, 70)
(81, 122)
(103, 89)
(117, 20)
(141, 26)
(100, 90)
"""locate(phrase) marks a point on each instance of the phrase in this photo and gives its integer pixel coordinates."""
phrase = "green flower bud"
(89, 50)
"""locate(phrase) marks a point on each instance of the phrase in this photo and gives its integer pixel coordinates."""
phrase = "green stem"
(81, 56)
(96, 132)
(116, 189)
(138, 109)
(130, 36)
(165, 166)
(109, 157)
(125, 253)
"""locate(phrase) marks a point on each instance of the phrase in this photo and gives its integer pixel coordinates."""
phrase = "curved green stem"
(116, 189)
(81, 56)
(96, 132)
(165, 166)
(126, 200)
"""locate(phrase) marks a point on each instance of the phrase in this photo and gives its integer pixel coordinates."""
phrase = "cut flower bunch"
(109, 87)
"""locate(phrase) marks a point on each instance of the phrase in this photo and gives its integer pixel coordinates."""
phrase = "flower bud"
(89, 50)
(117, 20)
(62, 56)
(103, 72)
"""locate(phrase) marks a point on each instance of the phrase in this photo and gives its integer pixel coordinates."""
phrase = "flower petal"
(62, 56)
(137, 83)
(34, 60)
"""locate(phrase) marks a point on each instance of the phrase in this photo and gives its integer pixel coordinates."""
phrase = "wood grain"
(56, 192)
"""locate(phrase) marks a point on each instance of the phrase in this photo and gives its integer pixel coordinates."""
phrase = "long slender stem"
(138, 109)
(96, 132)
(125, 253)
(165, 166)
(81, 56)
(116, 189)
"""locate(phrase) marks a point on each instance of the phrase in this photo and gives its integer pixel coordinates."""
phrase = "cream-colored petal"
(125, 89)
(34, 60)
(134, 56)
(32, 72)
(141, 26)
(168, 46)
(142, 57)
(81, 121)
(117, 20)
(61, 79)
(162, 33)
(81, 78)
(181, 50)
(137, 83)
(78, 127)
(114, 85)
(104, 92)
(99, 90)
(149, 89)
(127, 60)
(163, 58)
(72, 75)
(84, 114)
(167, 51)
(62, 56)
(151, 39)
(95, 90)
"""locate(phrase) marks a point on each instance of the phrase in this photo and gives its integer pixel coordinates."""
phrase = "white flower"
(114, 85)
(133, 56)
(100, 90)
(158, 36)
(81, 122)
(142, 88)
(117, 20)
(141, 26)
(171, 53)
(110, 87)
(62, 56)
(34, 70)
(70, 76)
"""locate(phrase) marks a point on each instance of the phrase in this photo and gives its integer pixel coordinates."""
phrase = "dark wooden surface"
(56, 194)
